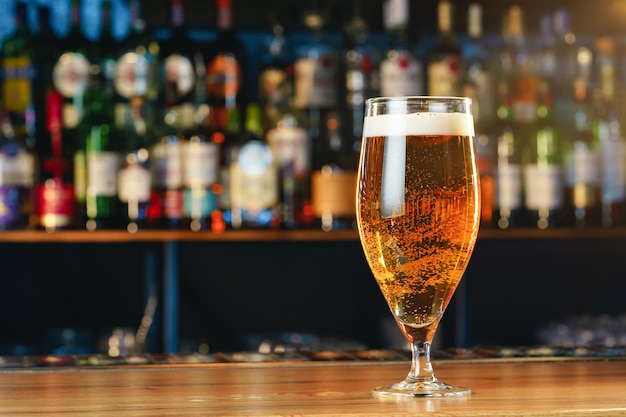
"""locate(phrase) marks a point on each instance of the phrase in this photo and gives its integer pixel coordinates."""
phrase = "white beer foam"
(426, 123)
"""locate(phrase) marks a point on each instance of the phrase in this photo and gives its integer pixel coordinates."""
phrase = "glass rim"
(418, 98)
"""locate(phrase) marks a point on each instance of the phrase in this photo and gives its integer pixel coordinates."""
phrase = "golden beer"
(418, 213)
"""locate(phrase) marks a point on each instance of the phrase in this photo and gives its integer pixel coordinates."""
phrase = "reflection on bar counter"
(548, 109)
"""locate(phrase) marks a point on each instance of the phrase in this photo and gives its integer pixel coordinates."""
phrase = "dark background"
(232, 290)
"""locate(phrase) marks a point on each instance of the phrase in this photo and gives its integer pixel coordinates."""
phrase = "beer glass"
(418, 210)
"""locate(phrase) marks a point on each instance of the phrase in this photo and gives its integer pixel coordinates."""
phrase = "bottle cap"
(475, 17)
(395, 13)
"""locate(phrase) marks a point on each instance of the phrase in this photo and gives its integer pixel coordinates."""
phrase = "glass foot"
(431, 388)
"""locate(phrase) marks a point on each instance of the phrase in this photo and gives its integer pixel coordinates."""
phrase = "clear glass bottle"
(134, 177)
(543, 169)
(508, 202)
(201, 182)
(253, 178)
(581, 161)
(290, 145)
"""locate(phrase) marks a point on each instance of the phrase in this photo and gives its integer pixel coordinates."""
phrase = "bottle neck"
(445, 19)
(475, 23)
(75, 16)
(178, 14)
(224, 15)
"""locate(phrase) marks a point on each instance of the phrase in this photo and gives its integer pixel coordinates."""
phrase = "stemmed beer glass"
(418, 211)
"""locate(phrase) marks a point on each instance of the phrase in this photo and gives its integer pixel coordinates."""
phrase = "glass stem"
(421, 367)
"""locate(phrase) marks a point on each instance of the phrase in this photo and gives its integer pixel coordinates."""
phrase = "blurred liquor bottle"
(445, 61)
(477, 84)
(177, 75)
(567, 67)
(609, 134)
(316, 95)
(508, 200)
(137, 69)
(19, 70)
(362, 62)
(70, 77)
(225, 78)
(97, 159)
(45, 48)
(543, 169)
(54, 193)
(275, 80)
(333, 181)
(401, 71)
(253, 178)
(134, 177)
(524, 81)
(201, 181)
(581, 160)
(225, 64)
(177, 99)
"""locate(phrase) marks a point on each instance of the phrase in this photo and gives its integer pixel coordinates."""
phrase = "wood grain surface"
(518, 388)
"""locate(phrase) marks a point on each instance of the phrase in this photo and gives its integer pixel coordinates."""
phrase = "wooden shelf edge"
(122, 236)
(157, 236)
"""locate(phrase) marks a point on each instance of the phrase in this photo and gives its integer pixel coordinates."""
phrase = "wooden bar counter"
(529, 387)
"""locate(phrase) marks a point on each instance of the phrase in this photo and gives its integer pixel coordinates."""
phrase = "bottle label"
(509, 186)
(71, 74)
(582, 166)
(55, 204)
(201, 164)
(223, 76)
(315, 82)
(613, 170)
(18, 73)
(274, 87)
(179, 77)
(14, 205)
(544, 187)
(400, 75)
(362, 78)
(17, 169)
(333, 192)
(134, 182)
(168, 164)
(253, 179)
(173, 204)
(199, 203)
(290, 147)
(102, 168)
(443, 77)
(132, 75)
(80, 176)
